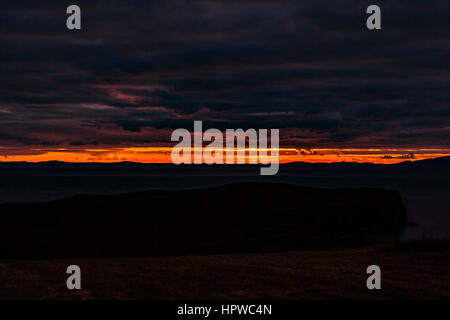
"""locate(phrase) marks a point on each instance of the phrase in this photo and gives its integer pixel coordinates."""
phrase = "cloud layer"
(139, 69)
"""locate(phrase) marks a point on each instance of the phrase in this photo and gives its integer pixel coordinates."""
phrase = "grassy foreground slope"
(413, 271)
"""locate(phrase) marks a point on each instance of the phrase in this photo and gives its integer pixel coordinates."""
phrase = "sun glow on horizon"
(163, 155)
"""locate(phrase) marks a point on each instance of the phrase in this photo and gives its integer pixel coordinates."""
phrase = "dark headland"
(243, 217)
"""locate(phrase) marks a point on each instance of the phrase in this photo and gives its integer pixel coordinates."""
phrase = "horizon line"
(163, 155)
(222, 164)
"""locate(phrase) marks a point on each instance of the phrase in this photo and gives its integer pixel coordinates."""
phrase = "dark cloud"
(138, 69)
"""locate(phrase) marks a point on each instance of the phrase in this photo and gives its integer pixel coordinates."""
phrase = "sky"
(116, 89)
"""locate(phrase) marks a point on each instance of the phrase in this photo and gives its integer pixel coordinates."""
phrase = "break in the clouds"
(139, 69)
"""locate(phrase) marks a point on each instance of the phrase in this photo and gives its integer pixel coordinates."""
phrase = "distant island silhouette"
(437, 160)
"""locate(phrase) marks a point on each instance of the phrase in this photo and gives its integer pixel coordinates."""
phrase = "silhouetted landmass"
(245, 217)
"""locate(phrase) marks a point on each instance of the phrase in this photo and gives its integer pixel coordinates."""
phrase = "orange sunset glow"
(163, 155)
